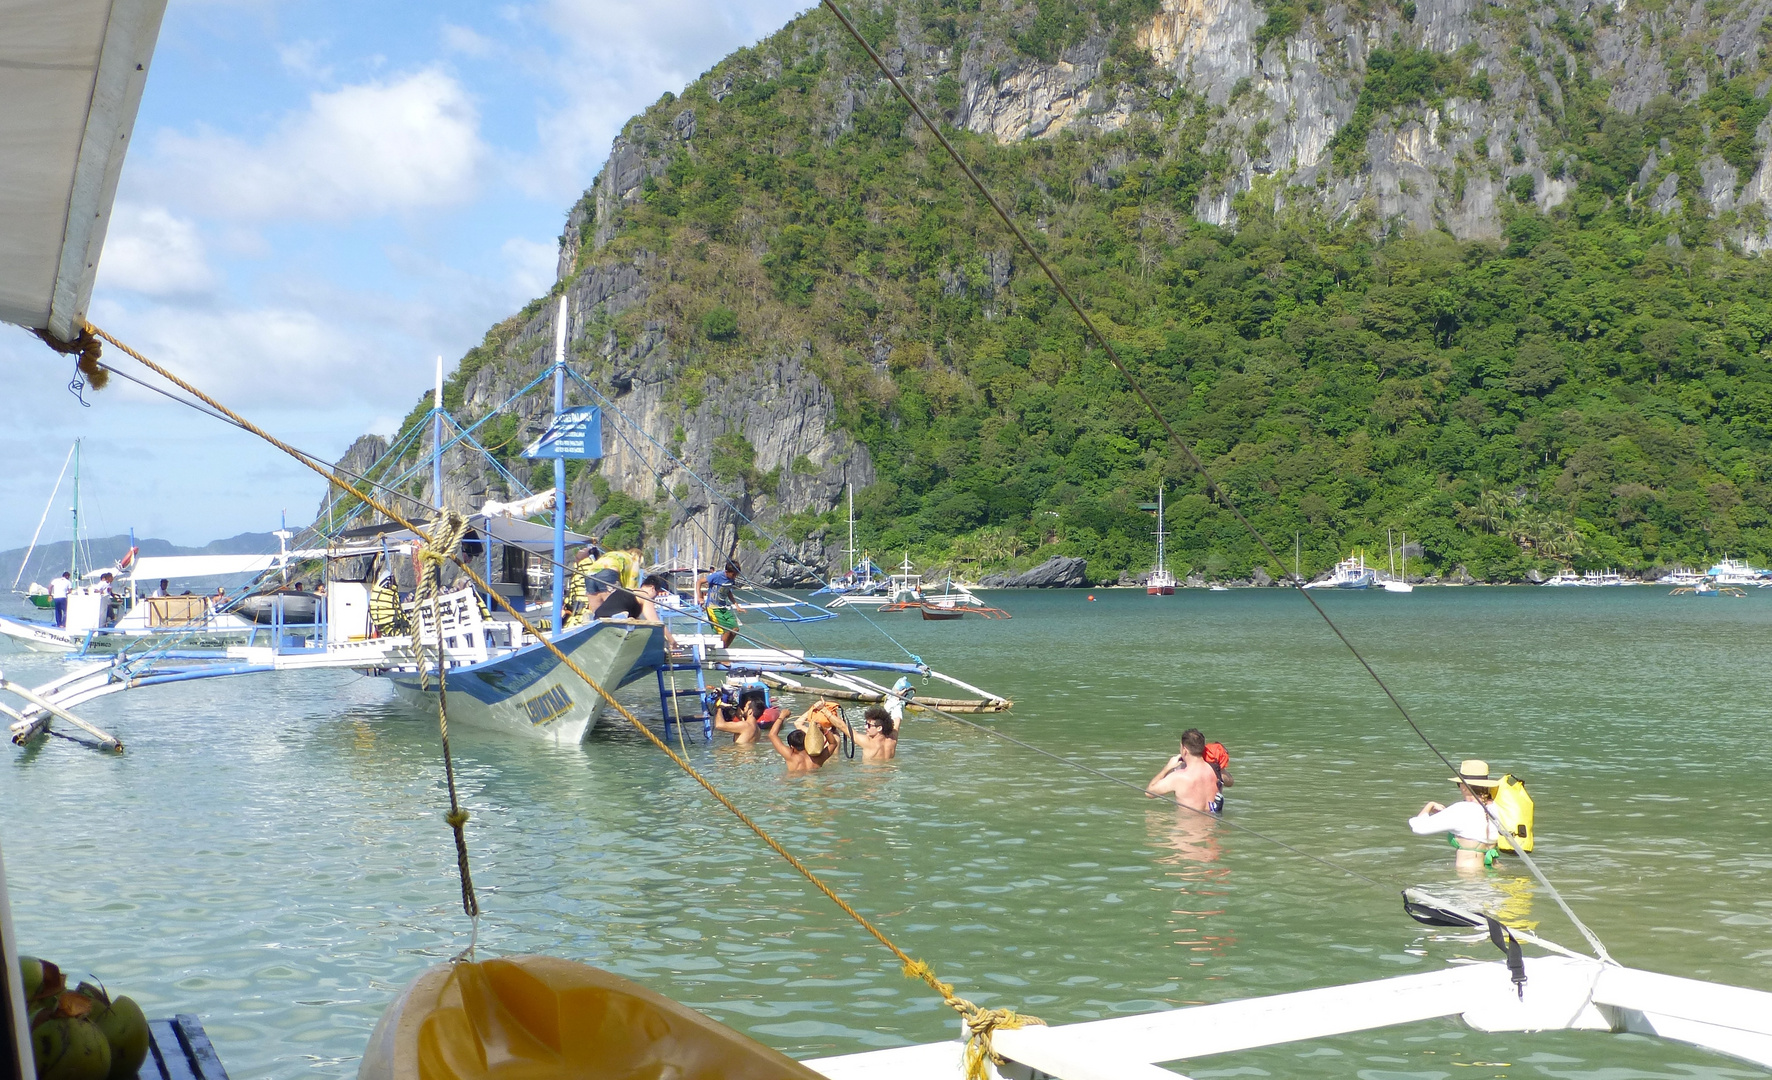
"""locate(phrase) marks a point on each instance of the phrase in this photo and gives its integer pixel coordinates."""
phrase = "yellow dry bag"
(1514, 807)
(541, 1018)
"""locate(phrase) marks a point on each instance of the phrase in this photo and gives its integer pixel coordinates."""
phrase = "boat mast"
(560, 571)
(1160, 532)
(851, 553)
(74, 542)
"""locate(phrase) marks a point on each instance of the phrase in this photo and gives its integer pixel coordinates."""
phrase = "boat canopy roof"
(513, 532)
(151, 567)
(71, 74)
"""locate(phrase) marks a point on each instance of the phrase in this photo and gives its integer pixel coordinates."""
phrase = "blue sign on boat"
(575, 433)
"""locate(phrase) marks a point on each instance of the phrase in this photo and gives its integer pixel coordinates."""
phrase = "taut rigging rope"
(980, 1022)
(1212, 487)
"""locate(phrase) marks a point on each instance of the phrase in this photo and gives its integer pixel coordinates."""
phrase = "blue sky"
(321, 198)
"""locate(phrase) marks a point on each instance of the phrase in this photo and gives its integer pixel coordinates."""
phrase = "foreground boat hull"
(530, 693)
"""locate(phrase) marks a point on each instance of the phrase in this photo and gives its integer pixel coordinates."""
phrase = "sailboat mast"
(560, 571)
(851, 565)
(74, 541)
(1160, 532)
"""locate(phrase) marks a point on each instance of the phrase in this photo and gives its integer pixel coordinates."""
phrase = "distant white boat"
(1735, 572)
(1350, 573)
(1160, 582)
(1683, 577)
(1566, 578)
(1392, 583)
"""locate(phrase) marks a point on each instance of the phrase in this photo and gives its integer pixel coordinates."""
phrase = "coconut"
(125, 1028)
(31, 971)
(68, 1046)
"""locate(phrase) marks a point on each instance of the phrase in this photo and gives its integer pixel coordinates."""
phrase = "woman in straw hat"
(1469, 825)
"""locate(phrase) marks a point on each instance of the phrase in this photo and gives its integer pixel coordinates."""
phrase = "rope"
(1212, 487)
(980, 1022)
(87, 369)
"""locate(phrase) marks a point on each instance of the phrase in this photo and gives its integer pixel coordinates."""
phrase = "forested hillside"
(1560, 360)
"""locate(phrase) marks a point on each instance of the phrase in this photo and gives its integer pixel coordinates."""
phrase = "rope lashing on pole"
(980, 1022)
(446, 547)
(1213, 488)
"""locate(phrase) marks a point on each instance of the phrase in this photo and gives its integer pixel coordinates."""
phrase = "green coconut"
(31, 971)
(125, 1028)
(68, 1046)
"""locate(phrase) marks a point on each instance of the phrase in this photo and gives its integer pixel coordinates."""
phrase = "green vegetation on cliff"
(1592, 389)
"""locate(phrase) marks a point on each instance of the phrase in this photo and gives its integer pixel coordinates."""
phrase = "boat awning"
(514, 532)
(71, 75)
(153, 567)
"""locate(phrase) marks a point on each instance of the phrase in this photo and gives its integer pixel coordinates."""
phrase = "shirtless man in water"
(793, 751)
(746, 722)
(1187, 776)
(878, 737)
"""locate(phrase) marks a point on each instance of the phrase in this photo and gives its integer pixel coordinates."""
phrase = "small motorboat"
(262, 608)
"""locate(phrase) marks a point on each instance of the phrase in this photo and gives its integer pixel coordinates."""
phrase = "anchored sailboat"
(1160, 582)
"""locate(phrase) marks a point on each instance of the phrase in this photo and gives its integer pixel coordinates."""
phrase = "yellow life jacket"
(385, 611)
(1514, 807)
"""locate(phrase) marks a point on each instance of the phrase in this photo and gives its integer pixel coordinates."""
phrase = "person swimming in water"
(1469, 825)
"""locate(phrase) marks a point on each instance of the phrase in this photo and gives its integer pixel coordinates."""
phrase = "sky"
(321, 198)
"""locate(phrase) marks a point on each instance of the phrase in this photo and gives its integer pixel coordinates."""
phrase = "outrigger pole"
(560, 568)
(437, 441)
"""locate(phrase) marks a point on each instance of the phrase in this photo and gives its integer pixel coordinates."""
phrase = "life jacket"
(385, 612)
(1217, 757)
(1514, 807)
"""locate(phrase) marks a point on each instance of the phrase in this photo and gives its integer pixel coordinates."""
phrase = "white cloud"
(532, 265)
(359, 151)
(303, 58)
(149, 251)
(614, 59)
(466, 41)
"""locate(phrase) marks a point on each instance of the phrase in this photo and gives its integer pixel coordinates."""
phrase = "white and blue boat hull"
(530, 693)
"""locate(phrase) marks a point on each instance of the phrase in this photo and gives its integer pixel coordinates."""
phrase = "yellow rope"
(980, 1022)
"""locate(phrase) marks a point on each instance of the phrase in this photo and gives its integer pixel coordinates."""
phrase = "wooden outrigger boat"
(54, 223)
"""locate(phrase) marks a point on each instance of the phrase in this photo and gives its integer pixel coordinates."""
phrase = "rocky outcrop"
(1058, 572)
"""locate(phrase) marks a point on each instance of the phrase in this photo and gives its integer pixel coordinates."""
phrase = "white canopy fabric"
(155, 567)
(513, 531)
(71, 78)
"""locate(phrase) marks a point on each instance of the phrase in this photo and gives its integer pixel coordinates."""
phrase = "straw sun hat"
(1475, 772)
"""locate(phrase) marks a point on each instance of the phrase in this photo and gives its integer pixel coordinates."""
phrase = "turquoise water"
(270, 853)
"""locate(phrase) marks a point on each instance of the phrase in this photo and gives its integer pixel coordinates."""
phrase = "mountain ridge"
(1483, 271)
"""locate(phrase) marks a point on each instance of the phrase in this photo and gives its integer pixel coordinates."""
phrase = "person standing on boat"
(103, 588)
(58, 596)
(164, 589)
(1470, 825)
(793, 750)
(1186, 776)
(722, 605)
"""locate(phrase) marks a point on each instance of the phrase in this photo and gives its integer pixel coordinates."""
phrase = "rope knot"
(980, 1022)
(456, 818)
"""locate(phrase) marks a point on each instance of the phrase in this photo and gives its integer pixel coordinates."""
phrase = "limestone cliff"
(1416, 116)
